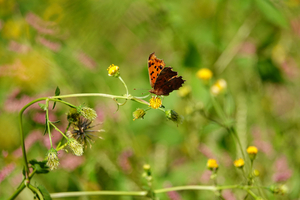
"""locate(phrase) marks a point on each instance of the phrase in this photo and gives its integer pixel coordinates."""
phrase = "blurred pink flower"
(33, 137)
(12, 104)
(282, 171)
(206, 151)
(263, 146)
(17, 47)
(86, 60)
(39, 117)
(54, 46)
(70, 162)
(205, 177)
(56, 137)
(124, 162)
(173, 195)
(107, 111)
(4, 153)
(40, 25)
(247, 48)
(290, 68)
(228, 195)
(295, 23)
(6, 171)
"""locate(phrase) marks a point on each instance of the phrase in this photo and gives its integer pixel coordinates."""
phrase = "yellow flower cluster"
(155, 102)
(113, 70)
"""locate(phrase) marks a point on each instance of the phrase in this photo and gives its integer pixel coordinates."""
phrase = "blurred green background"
(252, 44)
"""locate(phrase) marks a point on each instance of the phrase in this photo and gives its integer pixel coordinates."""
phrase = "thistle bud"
(174, 116)
(139, 114)
(52, 159)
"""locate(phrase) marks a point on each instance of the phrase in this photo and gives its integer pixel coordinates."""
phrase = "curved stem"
(22, 134)
(124, 85)
(36, 191)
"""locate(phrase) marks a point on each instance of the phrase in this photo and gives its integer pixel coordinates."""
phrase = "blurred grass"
(253, 45)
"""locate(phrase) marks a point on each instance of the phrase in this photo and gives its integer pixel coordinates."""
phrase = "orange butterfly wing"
(155, 66)
(163, 80)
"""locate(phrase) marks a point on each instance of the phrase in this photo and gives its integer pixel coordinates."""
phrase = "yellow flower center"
(204, 74)
(155, 102)
(239, 163)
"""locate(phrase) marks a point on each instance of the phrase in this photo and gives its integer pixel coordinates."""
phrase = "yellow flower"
(212, 164)
(113, 70)
(204, 74)
(155, 102)
(139, 113)
(239, 163)
(218, 87)
(252, 151)
(184, 91)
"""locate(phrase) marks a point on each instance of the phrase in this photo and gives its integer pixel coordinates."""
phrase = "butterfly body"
(163, 80)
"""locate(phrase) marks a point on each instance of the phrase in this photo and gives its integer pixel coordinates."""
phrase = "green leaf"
(42, 106)
(271, 13)
(40, 167)
(46, 127)
(44, 192)
(57, 93)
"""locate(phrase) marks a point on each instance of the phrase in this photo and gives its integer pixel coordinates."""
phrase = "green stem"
(48, 122)
(124, 85)
(58, 130)
(22, 134)
(145, 193)
(21, 186)
(36, 191)
(92, 95)
(233, 131)
(96, 193)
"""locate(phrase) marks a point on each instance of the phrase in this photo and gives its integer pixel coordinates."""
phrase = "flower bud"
(73, 116)
(218, 87)
(76, 147)
(173, 116)
(113, 71)
(138, 114)
(52, 159)
(88, 113)
(279, 189)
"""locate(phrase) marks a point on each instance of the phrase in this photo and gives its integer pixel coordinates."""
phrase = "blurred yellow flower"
(239, 163)
(12, 29)
(218, 87)
(53, 13)
(155, 102)
(212, 164)
(184, 91)
(252, 150)
(204, 74)
(113, 70)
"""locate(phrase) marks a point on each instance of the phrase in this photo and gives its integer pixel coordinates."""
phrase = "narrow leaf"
(42, 106)
(57, 93)
(44, 192)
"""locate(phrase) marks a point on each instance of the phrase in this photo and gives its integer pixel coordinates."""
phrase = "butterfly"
(163, 80)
